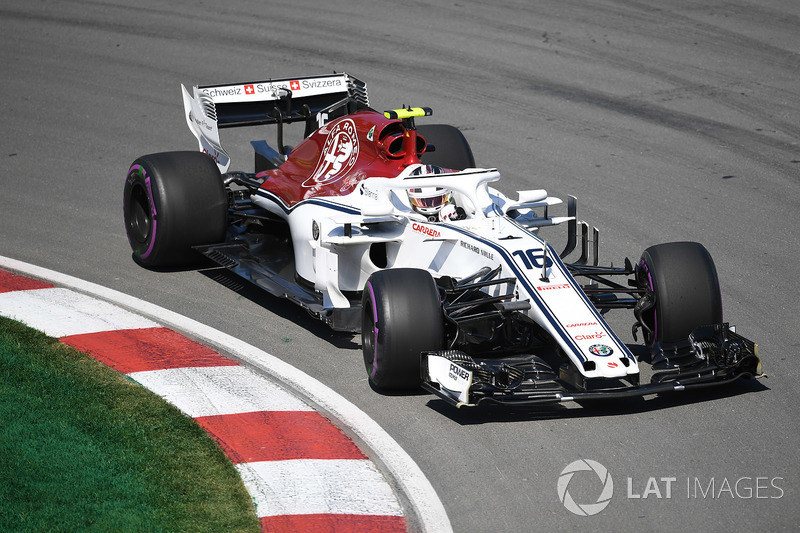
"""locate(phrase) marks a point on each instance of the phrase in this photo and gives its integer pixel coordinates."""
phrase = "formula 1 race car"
(375, 224)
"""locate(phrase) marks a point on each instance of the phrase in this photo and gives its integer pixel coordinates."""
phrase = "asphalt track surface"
(669, 120)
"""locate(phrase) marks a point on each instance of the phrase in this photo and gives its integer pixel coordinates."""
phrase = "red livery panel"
(333, 160)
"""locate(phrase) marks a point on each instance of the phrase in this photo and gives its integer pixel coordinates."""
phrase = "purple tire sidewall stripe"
(374, 369)
(152, 207)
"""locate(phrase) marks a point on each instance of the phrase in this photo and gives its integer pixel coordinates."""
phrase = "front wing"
(713, 355)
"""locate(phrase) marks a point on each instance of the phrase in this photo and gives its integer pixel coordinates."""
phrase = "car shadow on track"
(493, 413)
(403, 393)
(281, 307)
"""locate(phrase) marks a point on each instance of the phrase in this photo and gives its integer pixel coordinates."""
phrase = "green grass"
(84, 448)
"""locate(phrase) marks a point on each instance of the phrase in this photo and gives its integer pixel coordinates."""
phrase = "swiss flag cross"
(294, 85)
(249, 89)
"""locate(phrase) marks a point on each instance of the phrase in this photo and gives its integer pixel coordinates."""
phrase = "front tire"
(401, 317)
(173, 201)
(683, 280)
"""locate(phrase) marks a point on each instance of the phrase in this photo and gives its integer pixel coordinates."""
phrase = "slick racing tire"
(452, 149)
(683, 280)
(401, 317)
(173, 201)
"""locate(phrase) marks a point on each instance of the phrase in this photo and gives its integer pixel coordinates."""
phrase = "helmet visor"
(430, 201)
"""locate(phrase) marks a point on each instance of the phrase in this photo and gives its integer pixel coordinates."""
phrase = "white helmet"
(428, 201)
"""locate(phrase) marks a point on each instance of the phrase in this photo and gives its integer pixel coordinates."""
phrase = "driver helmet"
(428, 201)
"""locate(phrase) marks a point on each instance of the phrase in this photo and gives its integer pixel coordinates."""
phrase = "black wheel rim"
(139, 219)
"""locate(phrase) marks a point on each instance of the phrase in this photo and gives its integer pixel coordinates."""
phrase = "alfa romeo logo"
(601, 350)
(585, 509)
(339, 155)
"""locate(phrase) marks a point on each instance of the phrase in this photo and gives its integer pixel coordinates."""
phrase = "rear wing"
(312, 99)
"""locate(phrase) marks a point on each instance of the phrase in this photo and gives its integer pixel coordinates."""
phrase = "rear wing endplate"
(313, 99)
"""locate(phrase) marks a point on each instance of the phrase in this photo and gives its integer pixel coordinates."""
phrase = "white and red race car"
(377, 225)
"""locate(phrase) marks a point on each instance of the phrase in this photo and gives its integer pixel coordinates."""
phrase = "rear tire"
(401, 317)
(452, 149)
(684, 281)
(173, 201)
